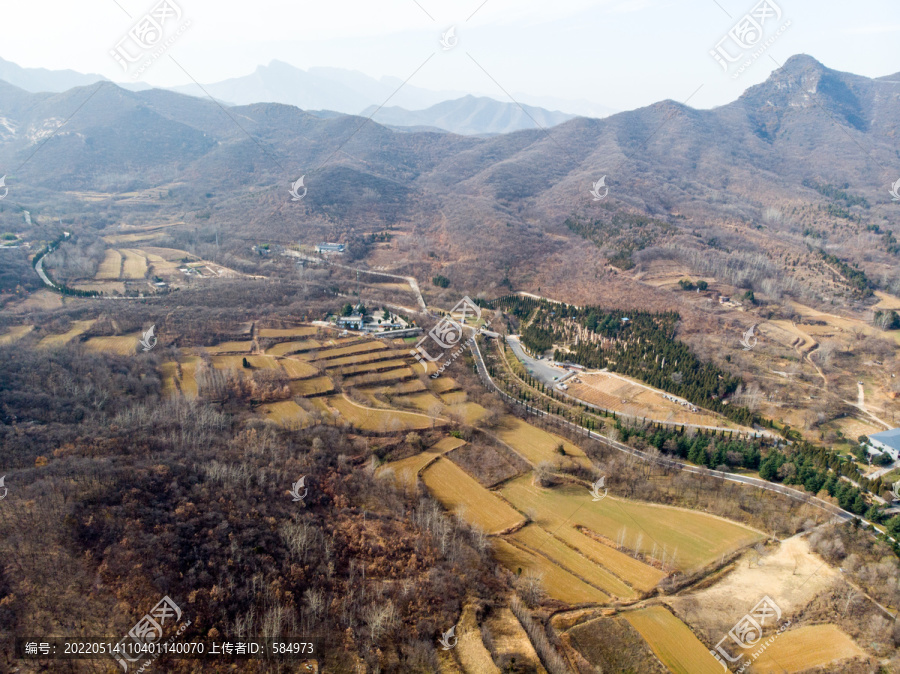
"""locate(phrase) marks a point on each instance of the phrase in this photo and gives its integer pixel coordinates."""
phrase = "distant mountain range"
(810, 152)
(326, 90)
(354, 93)
(36, 80)
(470, 115)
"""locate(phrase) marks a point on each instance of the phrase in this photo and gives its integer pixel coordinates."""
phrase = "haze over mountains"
(40, 79)
(343, 91)
(469, 115)
(459, 196)
(354, 93)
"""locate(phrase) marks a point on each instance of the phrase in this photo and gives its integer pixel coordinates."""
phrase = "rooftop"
(890, 438)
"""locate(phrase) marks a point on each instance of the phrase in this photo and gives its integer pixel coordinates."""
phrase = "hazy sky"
(617, 53)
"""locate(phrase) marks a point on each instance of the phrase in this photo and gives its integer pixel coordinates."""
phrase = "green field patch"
(169, 372)
(14, 334)
(362, 347)
(302, 331)
(443, 384)
(378, 366)
(298, 369)
(379, 377)
(539, 541)
(454, 397)
(286, 348)
(556, 582)
(124, 345)
(236, 362)
(286, 413)
(806, 648)
(423, 401)
(673, 642)
(367, 357)
(230, 347)
(536, 445)
(378, 420)
(408, 469)
(459, 492)
(696, 539)
(77, 329)
(312, 387)
(404, 387)
(640, 576)
(469, 413)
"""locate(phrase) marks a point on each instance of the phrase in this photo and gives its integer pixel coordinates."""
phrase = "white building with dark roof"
(887, 442)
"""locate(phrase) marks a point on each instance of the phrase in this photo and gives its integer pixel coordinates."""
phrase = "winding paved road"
(802, 497)
(546, 372)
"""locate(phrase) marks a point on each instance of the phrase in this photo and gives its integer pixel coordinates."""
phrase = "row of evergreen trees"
(639, 344)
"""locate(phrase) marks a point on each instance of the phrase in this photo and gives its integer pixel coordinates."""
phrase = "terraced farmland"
(469, 413)
(377, 366)
(287, 413)
(285, 348)
(805, 648)
(642, 577)
(673, 642)
(14, 334)
(695, 538)
(111, 267)
(297, 369)
(539, 541)
(135, 265)
(123, 345)
(371, 356)
(169, 373)
(456, 490)
(454, 397)
(412, 386)
(362, 347)
(510, 641)
(470, 647)
(408, 469)
(300, 331)
(236, 362)
(557, 582)
(443, 385)
(380, 377)
(371, 419)
(77, 329)
(422, 401)
(536, 445)
(230, 347)
(312, 387)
